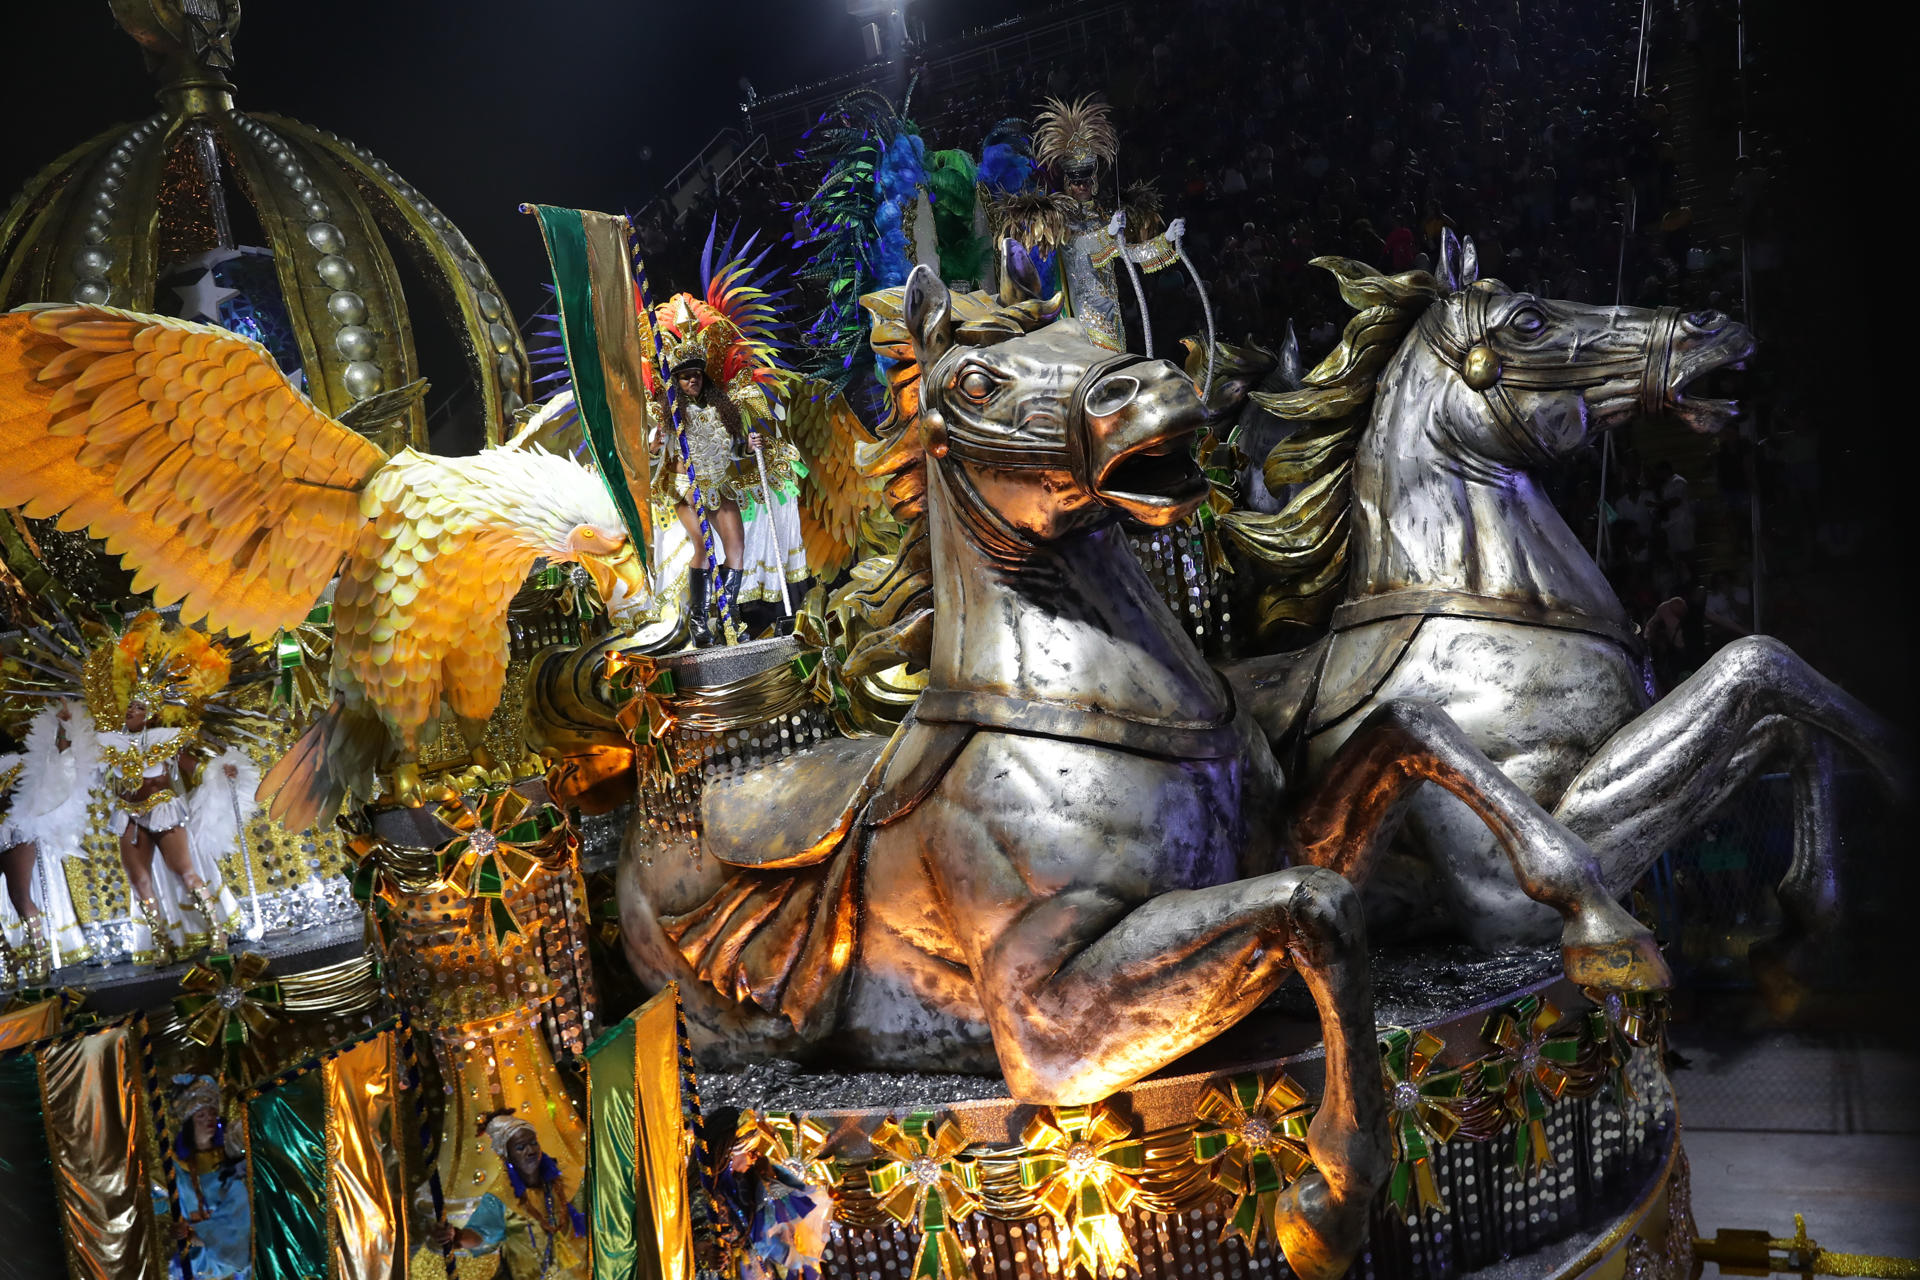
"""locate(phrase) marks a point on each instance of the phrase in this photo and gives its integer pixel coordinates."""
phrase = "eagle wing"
(183, 447)
(834, 494)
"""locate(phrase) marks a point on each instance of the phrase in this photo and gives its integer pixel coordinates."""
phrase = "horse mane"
(1302, 549)
(886, 611)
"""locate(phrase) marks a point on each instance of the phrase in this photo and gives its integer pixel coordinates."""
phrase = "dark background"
(484, 104)
(481, 104)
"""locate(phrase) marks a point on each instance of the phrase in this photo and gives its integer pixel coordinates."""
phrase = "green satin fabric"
(641, 1219)
(29, 1211)
(287, 1178)
(611, 1152)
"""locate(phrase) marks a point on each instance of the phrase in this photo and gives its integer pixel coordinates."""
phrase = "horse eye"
(976, 386)
(1527, 322)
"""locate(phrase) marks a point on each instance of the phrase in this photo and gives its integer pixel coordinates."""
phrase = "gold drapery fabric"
(32, 1022)
(495, 1065)
(366, 1225)
(663, 1134)
(94, 1104)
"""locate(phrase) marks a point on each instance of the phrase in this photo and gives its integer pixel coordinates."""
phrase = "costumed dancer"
(210, 1174)
(543, 1234)
(45, 788)
(1076, 141)
(726, 391)
(156, 687)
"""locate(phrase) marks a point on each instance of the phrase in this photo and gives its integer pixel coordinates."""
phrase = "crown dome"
(143, 216)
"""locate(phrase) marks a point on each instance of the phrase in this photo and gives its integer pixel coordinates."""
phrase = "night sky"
(481, 104)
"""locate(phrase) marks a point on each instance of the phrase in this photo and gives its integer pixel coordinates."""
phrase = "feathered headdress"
(180, 674)
(728, 329)
(1077, 138)
(171, 671)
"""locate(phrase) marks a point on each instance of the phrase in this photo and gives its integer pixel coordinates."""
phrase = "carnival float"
(845, 794)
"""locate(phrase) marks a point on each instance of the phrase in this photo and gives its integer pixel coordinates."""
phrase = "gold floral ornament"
(643, 690)
(224, 1002)
(926, 1183)
(1084, 1166)
(1622, 1022)
(495, 847)
(1424, 1105)
(1530, 1073)
(819, 659)
(792, 1141)
(1254, 1137)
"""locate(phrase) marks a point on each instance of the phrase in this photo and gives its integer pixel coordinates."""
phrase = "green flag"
(600, 327)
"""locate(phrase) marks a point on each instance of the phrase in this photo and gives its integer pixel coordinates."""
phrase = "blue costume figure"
(210, 1171)
(542, 1235)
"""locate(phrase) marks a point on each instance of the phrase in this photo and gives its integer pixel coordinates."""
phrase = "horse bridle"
(1494, 374)
(1067, 453)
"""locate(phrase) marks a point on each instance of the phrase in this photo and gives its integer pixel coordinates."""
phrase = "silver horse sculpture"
(1070, 862)
(1465, 590)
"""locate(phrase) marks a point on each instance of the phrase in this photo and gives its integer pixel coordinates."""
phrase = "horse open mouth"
(1707, 399)
(1157, 483)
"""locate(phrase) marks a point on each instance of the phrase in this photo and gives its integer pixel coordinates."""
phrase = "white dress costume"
(772, 550)
(48, 806)
(207, 812)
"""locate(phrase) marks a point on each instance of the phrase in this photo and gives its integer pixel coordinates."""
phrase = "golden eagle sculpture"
(222, 487)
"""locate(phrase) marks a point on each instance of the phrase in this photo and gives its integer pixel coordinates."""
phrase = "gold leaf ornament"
(926, 1184)
(1084, 1166)
(1252, 1134)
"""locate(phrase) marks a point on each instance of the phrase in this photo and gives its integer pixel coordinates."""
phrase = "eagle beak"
(621, 580)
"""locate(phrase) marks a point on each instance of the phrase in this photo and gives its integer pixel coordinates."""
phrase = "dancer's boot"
(36, 957)
(164, 950)
(730, 605)
(697, 629)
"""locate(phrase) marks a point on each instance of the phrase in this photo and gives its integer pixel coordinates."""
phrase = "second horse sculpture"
(1466, 590)
(1070, 862)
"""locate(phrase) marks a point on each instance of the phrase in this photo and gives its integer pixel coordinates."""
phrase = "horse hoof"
(1623, 964)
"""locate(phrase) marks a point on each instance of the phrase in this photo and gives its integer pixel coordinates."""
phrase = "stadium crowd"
(1286, 129)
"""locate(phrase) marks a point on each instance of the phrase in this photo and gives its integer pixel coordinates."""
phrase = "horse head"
(1538, 377)
(1042, 429)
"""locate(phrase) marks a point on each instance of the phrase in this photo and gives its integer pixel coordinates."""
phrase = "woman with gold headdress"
(1076, 141)
(153, 685)
(210, 1176)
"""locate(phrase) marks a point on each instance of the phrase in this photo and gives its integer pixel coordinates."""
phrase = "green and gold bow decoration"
(495, 849)
(1084, 1165)
(373, 882)
(818, 658)
(1530, 1073)
(1423, 1112)
(645, 690)
(1253, 1137)
(224, 1003)
(790, 1140)
(925, 1182)
(301, 657)
(1620, 1023)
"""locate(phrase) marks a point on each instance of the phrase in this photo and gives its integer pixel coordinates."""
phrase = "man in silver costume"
(1078, 140)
